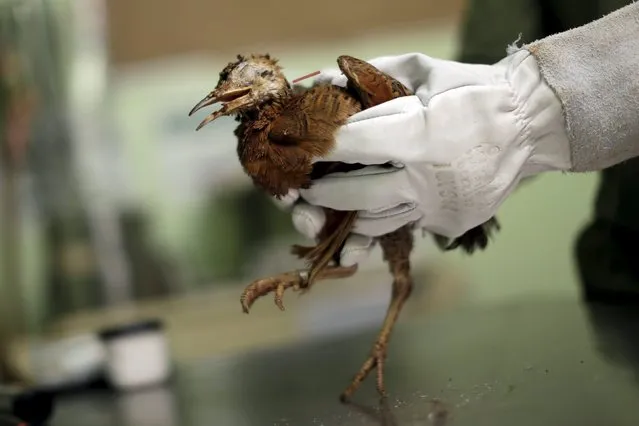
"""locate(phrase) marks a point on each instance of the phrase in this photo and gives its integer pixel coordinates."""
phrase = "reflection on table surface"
(528, 363)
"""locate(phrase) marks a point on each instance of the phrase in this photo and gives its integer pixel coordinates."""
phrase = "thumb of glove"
(308, 219)
(356, 249)
(286, 202)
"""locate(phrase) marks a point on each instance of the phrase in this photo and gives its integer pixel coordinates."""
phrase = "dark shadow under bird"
(282, 130)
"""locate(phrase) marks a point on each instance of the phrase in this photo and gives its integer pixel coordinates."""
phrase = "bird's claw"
(277, 285)
(376, 359)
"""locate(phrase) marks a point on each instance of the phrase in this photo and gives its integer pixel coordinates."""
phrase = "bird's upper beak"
(231, 99)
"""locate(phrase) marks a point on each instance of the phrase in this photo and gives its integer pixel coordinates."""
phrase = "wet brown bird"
(282, 129)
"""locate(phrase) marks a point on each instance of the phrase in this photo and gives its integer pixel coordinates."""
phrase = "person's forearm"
(594, 70)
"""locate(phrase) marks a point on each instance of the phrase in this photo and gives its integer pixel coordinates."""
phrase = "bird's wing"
(371, 85)
(313, 117)
(315, 114)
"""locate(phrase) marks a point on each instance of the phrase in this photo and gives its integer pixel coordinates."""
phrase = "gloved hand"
(460, 145)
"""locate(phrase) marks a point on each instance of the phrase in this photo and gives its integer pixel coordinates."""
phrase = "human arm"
(589, 84)
(593, 71)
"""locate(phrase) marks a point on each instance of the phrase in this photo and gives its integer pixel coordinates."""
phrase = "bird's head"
(244, 85)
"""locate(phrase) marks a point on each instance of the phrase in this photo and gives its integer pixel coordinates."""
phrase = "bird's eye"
(265, 73)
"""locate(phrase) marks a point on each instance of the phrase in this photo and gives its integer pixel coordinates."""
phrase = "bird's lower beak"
(229, 98)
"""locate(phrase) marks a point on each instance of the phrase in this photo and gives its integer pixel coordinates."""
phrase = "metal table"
(528, 363)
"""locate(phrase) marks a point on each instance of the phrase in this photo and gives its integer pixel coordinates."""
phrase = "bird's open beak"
(231, 100)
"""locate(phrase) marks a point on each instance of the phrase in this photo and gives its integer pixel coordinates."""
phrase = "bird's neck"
(265, 111)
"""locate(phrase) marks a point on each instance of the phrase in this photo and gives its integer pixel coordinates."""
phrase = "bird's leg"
(293, 279)
(396, 248)
(402, 287)
(331, 240)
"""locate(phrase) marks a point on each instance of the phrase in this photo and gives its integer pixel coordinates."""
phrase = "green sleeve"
(489, 26)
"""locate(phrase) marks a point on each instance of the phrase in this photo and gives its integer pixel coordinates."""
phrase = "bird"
(283, 134)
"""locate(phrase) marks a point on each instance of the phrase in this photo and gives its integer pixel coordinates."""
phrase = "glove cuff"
(540, 114)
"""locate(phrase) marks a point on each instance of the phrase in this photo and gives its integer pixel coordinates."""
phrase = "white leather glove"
(460, 145)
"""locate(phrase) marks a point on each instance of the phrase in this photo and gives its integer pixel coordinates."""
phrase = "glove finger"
(397, 106)
(391, 220)
(393, 131)
(308, 219)
(370, 193)
(286, 202)
(356, 249)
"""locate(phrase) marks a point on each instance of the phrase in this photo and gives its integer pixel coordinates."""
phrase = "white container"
(69, 361)
(137, 355)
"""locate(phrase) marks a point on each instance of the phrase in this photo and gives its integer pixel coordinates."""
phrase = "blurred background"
(114, 209)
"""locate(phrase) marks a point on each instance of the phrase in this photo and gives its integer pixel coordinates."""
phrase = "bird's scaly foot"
(277, 284)
(298, 280)
(396, 247)
(376, 359)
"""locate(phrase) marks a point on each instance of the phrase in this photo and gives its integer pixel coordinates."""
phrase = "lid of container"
(129, 329)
